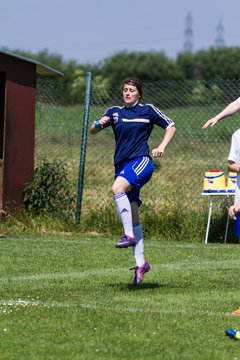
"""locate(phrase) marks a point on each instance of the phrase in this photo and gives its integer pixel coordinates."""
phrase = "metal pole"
(226, 231)
(209, 218)
(83, 147)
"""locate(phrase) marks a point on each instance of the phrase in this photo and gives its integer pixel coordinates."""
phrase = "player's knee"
(117, 188)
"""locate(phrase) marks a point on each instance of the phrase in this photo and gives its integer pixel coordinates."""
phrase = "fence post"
(83, 147)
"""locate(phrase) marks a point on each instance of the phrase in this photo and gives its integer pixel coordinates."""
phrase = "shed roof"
(41, 69)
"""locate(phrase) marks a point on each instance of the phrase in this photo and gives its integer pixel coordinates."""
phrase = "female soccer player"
(132, 125)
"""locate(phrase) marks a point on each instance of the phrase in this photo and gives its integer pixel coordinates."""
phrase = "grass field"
(69, 297)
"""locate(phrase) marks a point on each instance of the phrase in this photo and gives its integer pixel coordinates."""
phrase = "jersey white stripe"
(147, 121)
(163, 116)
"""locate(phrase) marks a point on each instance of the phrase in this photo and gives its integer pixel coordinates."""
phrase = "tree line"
(213, 63)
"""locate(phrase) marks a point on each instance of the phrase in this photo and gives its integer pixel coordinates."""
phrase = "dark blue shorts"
(137, 172)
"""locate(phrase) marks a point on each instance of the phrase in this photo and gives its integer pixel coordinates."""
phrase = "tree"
(214, 63)
(218, 63)
(148, 66)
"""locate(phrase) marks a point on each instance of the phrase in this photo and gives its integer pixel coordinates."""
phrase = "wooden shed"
(18, 78)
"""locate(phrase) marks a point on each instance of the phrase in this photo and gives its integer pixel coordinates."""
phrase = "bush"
(50, 193)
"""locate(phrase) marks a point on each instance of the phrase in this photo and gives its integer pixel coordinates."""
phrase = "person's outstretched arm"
(231, 109)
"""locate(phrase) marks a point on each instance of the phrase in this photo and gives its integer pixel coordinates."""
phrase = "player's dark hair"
(133, 81)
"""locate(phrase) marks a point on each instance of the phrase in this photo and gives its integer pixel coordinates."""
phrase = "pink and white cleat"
(139, 273)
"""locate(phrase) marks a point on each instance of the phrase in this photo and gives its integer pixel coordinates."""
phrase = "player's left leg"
(142, 266)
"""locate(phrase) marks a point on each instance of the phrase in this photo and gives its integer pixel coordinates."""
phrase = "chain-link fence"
(58, 128)
(178, 176)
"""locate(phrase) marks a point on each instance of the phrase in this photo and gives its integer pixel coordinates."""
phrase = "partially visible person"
(132, 124)
(234, 161)
(234, 166)
(231, 109)
(233, 212)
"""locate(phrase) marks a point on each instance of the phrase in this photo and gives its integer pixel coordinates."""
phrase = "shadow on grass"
(8, 237)
(153, 286)
(143, 286)
(150, 286)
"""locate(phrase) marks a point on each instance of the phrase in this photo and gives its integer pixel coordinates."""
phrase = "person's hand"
(233, 210)
(158, 152)
(104, 120)
(210, 123)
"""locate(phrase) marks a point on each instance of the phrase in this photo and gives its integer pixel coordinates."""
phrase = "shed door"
(2, 104)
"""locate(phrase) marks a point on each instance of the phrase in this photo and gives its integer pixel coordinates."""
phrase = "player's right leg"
(123, 206)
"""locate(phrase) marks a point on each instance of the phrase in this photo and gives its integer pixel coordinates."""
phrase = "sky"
(89, 31)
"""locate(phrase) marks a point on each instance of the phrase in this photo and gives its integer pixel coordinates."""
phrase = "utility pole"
(188, 33)
(219, 41)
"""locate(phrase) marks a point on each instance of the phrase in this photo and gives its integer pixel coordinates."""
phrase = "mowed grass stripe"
(184, 265)
(66, 240)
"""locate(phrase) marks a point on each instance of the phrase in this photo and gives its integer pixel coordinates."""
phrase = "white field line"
(126, 309)
(203, 266)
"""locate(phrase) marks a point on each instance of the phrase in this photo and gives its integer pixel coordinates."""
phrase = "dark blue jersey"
(132, 128)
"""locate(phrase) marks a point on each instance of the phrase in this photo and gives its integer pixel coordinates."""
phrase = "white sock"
(138, 250)
(124, 212)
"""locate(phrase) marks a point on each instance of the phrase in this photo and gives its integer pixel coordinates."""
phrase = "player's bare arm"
(169, 135)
